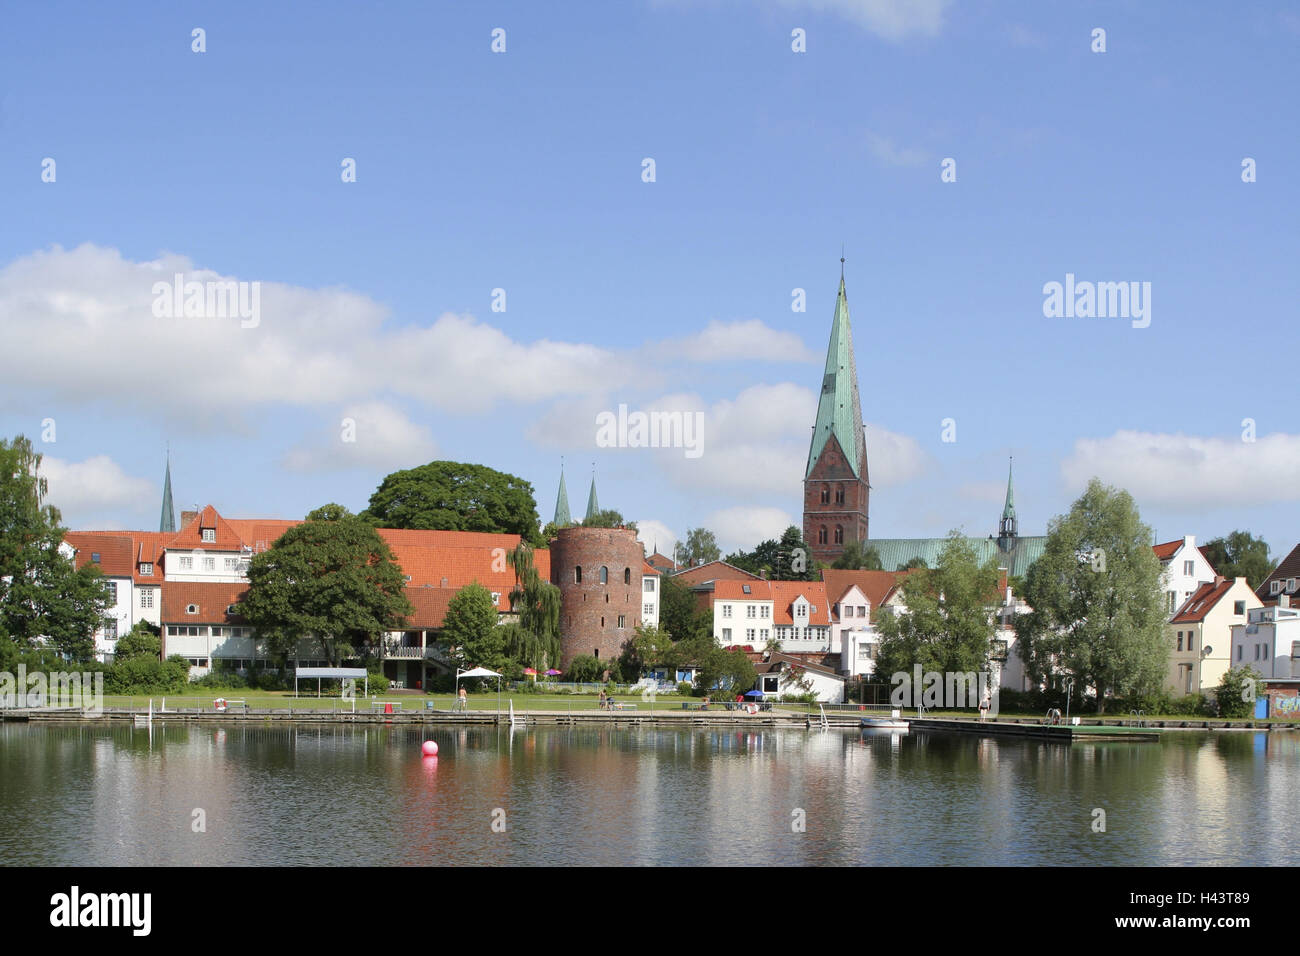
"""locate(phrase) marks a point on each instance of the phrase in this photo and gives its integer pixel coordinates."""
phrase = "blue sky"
(522, 171)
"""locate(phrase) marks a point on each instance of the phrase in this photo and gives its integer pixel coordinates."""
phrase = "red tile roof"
(782, 594)
(1202, 602)
(114, 550)
(190, 537)
(648, 568)
(714, 571)
(211, 599)
(1167, 550)
(875, 585)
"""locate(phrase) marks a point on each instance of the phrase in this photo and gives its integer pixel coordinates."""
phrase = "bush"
(221, 680)
(147, 675)
(1232, 688)
(584, 669)
(684, 688)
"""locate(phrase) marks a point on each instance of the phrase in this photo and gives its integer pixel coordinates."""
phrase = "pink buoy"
(430, 748)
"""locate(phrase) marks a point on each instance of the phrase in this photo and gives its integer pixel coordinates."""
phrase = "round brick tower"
(598, 572)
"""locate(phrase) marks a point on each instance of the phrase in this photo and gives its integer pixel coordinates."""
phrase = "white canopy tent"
(479, 672)
(330, 673)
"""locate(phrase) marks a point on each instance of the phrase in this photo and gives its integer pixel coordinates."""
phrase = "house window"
(764, 633)
(749, 633)
(111, 588)
(110, 629)
(1239, 607)
(209, 535)
(146, 597)
(1256, 652)
(726, 634)
(1265, 652)
(209, 564)
(496, 597)
(1239, 651)
(604, 574)
(146, 568)
(191, 609)
(1274, 587)
(647, 610)
(187, 563)
(1191, 640)
(1180, 640)
(1290, 585)
(766, 611)
(751, 611)
(648, 585)
(726, 610)
(232, 563)
(1189, 568)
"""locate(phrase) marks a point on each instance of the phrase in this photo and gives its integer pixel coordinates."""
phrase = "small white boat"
(883, 723)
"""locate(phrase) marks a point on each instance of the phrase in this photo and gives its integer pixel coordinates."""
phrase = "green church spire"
(839, 410)
(1007, 527)
(592, 507)
(167, 522)
(562, 519)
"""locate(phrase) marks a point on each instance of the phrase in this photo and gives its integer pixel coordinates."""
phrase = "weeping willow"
(535, 641)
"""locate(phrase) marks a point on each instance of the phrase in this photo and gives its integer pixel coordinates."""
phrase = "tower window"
(826, 495)
(627, 575)
(839, 494)
(821, 535)
(577, 574)
(839, 534)
(604, 574)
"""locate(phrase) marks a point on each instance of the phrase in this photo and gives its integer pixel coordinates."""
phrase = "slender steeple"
(1007, 528)
(839, 410)
(592, 505)
(562, 519)
(167, 522)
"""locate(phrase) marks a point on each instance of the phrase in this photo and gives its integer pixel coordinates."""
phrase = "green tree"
(1235, 694)
(701, 547)
(470, 630)
(331, 578)
(1240, 555)
(858, 557)
(536, 642)
(948, 624)
(142, 640)
(451, 496)
(679, 613)
(584, 669)
(43, 596)
(648, 647)
(608, 518)
(1097, 613)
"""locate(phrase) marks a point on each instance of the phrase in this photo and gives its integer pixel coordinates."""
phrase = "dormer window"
(94, 556)
(1290, 585)
(191, 609)
(146, 568)
(1275, 587)
(209, 535)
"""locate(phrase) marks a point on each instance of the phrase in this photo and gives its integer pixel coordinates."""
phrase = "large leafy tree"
(42, 594)
(784, 559)
(858, 557)
(536, 640)
(948, 624)
(648, 647)
(679, 613)
(1240, 555)
(470, 630)
(1097, 614)
(701, 547)
(606, 518)
(452, 496)
(331, 578)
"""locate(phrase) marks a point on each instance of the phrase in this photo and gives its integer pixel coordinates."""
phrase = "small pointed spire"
(167, 520)
(1008, 525)
(593, 507)
(562, 518)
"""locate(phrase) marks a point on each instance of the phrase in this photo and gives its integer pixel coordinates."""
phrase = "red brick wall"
(589, 610)
(832, 472)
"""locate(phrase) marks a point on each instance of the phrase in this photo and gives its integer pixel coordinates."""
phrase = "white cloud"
(1187, 472)
(87, 491)
(741, 340)
(885, 150)
(372, 435)
(743, 527)
(655, 534)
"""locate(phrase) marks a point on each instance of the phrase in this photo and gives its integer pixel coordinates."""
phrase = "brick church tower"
(836, 488)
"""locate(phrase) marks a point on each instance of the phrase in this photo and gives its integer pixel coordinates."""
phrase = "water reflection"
(313, 795)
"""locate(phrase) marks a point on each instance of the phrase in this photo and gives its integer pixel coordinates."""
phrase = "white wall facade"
(650, 600)
(742, 622)
(1269, 643)
(207, 567)
(1183, 574)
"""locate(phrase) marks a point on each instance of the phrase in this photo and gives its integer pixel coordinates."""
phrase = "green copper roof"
(839, 410)
(167, 522)
(895, 552)
(562, 518)
(592, 506)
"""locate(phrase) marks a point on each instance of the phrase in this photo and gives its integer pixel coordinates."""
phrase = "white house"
(1269, 641)
(1185, 568)
(113, 554)
(1200, 634)
(781, 675)
(649, 595)
(753, 613)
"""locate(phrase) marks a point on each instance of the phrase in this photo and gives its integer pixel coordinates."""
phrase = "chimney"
(1219, 579)
(187, 517)
(1284, 600)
